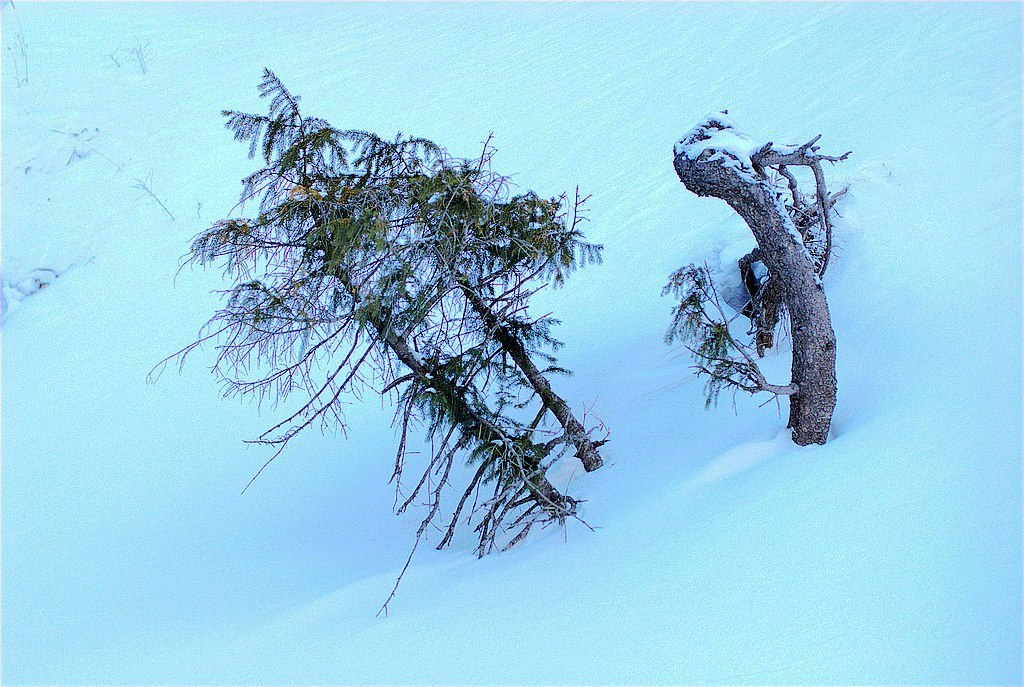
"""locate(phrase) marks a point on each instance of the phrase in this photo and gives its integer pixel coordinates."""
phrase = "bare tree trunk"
(586, 450)
(765, 306)
(710, 168)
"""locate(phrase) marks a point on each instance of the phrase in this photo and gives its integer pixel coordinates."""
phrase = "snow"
(717, 132)
(722, 553)
(734, 149)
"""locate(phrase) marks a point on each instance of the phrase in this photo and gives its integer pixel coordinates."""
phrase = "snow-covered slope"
(723, 553)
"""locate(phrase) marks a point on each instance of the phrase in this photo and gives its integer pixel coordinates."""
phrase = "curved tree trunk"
(715, 160)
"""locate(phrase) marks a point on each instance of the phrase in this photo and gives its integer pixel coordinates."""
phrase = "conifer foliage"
(391, 266)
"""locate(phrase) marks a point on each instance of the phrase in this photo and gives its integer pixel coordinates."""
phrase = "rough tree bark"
(765, 306)
(714, 159)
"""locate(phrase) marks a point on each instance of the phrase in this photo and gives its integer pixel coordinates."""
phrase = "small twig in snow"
(144, 186)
